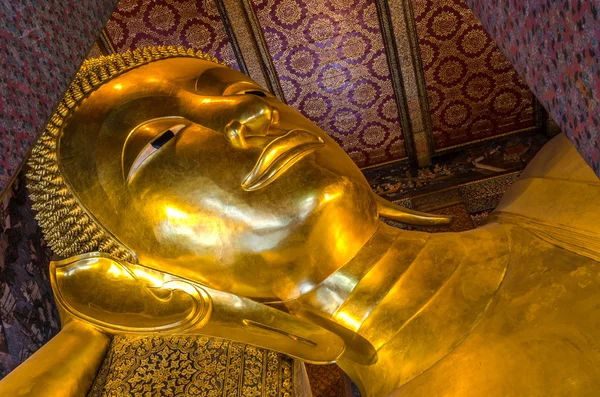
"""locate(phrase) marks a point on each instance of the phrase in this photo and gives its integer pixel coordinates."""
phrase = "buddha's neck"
(401, 275)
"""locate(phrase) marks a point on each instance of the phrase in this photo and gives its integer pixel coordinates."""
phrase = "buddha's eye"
(259, 93)
(152, 147)
(163, 138)
(245, 88)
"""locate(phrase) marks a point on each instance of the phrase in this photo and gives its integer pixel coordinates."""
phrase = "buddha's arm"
(64, 367)
(119, 297)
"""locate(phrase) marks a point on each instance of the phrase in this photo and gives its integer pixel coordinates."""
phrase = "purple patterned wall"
(37, 67)
(191, 23)
(474, 93)
(555, 46)
(42, 44)
(331, 63)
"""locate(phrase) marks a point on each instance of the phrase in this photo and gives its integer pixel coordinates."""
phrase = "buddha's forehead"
(167, 76)
(154, 90)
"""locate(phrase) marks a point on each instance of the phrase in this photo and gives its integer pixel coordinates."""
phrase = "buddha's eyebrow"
(152, 147)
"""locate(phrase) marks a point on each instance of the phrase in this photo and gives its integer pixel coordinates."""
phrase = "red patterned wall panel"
(191, 23)
(331, 63)
(473, 91)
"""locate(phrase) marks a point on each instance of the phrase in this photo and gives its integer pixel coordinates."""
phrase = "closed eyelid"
(152, 147)
(245, 87)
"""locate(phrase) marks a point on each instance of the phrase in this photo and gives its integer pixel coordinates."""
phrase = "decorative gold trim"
(230, 30)
(221, 369)
(487, 179)
(461, 146)
(247, 35)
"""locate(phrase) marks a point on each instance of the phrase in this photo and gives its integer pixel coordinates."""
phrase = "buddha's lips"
(279, 155)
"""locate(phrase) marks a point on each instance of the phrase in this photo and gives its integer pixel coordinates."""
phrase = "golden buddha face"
(203, 174)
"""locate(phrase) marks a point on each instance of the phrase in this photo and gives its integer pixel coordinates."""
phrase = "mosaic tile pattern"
(332, 66)
(37, 67)
(473, 91)
(555, 46)
(191, 23)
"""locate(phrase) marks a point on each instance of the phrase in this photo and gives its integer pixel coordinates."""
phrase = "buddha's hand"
(119, 297)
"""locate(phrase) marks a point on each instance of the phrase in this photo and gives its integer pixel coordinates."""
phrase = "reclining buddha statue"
(183, 199)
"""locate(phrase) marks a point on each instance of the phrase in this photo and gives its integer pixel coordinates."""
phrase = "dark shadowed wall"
(27, 311)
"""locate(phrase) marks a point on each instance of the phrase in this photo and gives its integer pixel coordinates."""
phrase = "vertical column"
(104, 43)
(402, 50)
(247, 35)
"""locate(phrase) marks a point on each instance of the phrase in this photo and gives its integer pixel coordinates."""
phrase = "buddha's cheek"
(274, 243)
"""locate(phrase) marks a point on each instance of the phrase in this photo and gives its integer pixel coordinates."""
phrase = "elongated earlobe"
(389, 210)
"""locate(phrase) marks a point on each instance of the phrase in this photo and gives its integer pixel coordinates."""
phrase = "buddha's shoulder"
(538, 336)
(546, 290)
(490, 239)
(557, 195)
(555, 360)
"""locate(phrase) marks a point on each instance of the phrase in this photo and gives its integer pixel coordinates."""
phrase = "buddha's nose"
(253, 117)
(238, 116)
(255, 114)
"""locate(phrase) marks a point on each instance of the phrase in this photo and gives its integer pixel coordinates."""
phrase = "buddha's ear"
(389, 210)
(118, 297)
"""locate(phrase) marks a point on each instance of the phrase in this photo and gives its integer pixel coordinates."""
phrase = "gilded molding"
(478, 141)
(230, 30)
(105, 44)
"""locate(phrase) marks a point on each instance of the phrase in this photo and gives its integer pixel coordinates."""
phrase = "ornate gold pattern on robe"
(191, 366)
